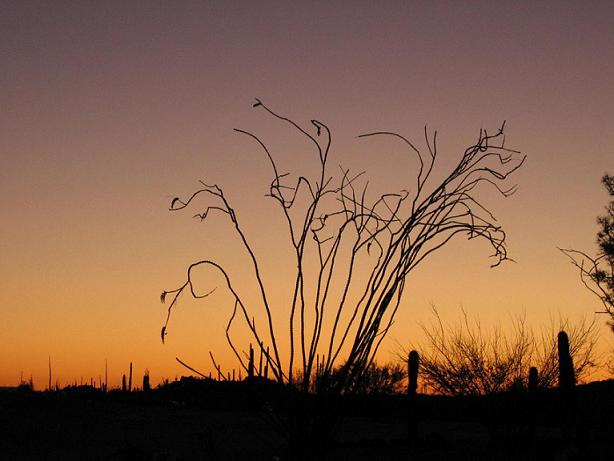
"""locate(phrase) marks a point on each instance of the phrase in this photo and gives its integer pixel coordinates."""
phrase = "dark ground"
(207, 421)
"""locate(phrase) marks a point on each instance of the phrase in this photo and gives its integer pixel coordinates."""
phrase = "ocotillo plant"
(413, 363)
(130, 379)
(533, 378)
(567, 378)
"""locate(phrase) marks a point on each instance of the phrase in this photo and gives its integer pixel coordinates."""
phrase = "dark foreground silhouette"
(210, 420)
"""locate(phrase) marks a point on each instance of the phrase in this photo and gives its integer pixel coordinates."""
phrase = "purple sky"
(109, 109)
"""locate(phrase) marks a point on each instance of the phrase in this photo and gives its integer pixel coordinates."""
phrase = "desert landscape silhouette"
(306, 230)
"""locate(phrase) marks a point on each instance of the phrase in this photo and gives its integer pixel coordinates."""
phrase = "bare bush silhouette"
(388, 237)
(465, 359)
(387, 379)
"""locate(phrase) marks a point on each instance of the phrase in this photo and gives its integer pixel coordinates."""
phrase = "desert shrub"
(465, 359)
(385, 379)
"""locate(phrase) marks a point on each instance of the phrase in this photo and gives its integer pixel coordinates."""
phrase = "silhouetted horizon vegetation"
(463, 358)
(228, 417)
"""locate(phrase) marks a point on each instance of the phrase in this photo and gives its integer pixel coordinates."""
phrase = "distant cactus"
(123, 383)
(567, 378)
(531, 403)
(567, 382)
(130, 379)
(412, 372)
(260, 361)
(413, 365)
(533, 379)
(266, 367)
(146, 386)
(250, 367)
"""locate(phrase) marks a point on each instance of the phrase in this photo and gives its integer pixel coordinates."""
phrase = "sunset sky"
(111, 109)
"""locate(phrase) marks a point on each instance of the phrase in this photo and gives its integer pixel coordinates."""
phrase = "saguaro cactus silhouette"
(130, 379)
(533, 379)
(567, 378)
(567, 382)
(413, 364)
(530, 402)
(266, 367)
(250, 366)
(146, 386)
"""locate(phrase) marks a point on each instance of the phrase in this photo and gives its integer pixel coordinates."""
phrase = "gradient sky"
(110, 109)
